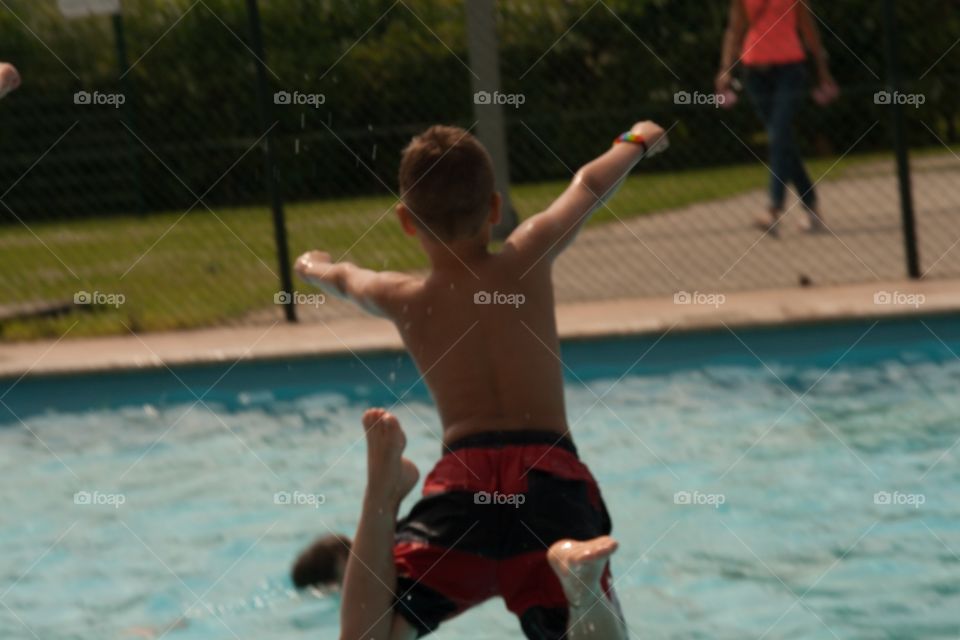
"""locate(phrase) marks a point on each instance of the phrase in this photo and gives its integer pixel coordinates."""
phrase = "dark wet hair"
(318, 565)
(446, 178)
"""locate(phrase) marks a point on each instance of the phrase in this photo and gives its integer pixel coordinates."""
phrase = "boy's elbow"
(586, 179)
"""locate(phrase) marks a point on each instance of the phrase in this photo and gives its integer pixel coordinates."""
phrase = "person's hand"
(309, 262)
(827, 91)
(723, 81)
(9, 78)
(826, 78)
(830, 85)
(653, 134)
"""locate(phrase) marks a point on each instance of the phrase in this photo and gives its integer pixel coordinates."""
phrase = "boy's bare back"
(481, 326)
(484, 336)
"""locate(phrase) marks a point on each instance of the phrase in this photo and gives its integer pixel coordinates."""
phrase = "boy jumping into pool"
(509, 510)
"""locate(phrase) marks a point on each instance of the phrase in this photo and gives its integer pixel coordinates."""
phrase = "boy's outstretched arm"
(548, 233)
(370, 290)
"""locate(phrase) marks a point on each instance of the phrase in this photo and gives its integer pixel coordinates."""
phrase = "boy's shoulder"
(509, 269)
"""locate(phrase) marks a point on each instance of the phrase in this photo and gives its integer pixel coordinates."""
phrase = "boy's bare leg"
(580, 565)
(366, 612)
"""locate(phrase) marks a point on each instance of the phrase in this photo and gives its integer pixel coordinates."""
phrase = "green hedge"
(386, 73)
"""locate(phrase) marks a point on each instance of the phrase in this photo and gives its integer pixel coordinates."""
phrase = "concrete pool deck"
(576, 321)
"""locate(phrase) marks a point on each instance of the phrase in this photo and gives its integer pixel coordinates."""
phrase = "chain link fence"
(135, 191)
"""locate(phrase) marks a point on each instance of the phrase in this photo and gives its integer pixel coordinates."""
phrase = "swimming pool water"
(797, 483)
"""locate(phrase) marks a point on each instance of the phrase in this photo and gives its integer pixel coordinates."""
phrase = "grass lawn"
(203, 269)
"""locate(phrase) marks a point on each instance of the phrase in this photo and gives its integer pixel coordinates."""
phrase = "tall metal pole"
(273, 181)
(900, 141)
(484, 51)
(127, 86)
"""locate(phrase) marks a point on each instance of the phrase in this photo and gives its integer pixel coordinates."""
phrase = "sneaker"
(769, 222)
(813, 222)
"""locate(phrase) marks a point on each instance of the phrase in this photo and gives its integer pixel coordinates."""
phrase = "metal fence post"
(127, 87)
(481, 16)
(900, 141)
(273, 183)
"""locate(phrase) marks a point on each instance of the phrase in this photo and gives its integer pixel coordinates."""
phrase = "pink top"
(772, 37)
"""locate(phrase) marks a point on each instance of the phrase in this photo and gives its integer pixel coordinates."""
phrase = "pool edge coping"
(576, 321)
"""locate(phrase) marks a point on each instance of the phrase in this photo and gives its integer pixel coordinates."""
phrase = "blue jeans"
(776, 92)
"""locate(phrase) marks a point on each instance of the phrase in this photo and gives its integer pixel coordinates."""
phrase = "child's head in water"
(447, 187)
(323, 563)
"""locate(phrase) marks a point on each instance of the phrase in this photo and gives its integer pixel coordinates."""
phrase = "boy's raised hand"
(653, 134)
(9, 78)
(308, 263)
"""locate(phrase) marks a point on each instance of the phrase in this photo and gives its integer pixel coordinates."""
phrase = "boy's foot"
(580, 565)
(769, 222)
(390, 476)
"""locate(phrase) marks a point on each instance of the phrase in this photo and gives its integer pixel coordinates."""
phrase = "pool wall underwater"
(382, 377)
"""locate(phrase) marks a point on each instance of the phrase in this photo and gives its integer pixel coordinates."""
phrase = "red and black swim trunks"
(491, 508)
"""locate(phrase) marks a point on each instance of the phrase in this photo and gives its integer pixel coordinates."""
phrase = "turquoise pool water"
(742, 512)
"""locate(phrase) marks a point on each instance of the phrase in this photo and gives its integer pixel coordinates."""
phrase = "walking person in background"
(772, 38)
(9, 78)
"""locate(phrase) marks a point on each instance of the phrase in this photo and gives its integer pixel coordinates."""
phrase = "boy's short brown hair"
(446, 182)
(321, 564)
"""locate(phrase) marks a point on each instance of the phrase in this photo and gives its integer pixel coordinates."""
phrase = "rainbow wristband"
(632, 138)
